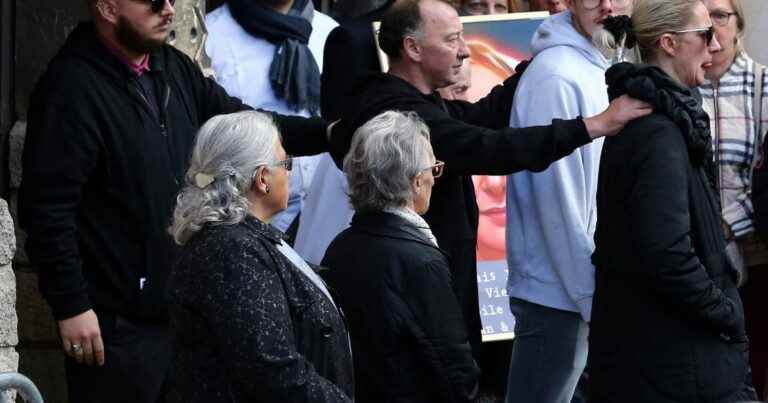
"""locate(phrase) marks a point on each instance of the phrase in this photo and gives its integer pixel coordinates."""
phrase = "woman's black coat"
(408, 336)
(667, 322)
(250, 327)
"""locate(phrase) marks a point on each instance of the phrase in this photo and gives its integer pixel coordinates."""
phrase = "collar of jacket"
(388, 225)
(389, 81)
(84, 43)
(668, 97)
(261, 228)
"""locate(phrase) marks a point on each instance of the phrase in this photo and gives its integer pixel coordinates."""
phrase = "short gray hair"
(228, 149)
(386, 154)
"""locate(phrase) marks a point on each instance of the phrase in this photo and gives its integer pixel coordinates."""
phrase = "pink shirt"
(137, 68)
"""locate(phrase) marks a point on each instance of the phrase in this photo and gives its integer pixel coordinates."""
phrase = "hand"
(81, 338)
(620, 111)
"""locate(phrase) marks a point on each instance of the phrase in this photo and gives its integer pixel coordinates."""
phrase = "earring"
(267, 189)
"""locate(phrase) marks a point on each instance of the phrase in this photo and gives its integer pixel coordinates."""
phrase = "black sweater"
(102, 169)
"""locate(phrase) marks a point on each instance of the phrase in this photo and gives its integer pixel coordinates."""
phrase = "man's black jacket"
(472, 139)
(407, 331)
(103, 162)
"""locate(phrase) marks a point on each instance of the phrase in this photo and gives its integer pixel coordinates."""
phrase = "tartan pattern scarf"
(732, 122)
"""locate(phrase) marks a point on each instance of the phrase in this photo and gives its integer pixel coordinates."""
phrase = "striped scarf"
(732, 122)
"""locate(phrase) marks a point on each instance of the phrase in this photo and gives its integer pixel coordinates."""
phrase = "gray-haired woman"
(251, 320)
(392, 279)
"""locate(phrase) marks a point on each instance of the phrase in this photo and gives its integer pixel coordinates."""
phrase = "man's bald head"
(425, 42)
(400, 21)
(405, 18)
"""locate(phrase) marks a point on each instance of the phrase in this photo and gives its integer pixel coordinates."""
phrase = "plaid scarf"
(732, 121)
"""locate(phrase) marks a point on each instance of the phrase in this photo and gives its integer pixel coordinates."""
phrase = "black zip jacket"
(667, 320)
(408, 335)
(472, 139)
(102, 166)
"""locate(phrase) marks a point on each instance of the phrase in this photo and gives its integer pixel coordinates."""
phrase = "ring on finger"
(76, 349)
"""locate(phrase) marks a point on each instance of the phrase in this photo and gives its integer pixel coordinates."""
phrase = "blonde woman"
(667, 321)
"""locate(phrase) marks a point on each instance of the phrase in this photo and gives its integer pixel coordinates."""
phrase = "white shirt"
(241, 63)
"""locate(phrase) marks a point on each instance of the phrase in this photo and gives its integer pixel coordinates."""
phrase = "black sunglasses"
(708, 33)
(159, 5)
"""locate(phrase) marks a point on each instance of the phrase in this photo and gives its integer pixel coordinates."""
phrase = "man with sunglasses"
(551, 214)
(111, 127)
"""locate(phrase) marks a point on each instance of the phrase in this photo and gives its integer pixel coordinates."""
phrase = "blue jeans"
(548, 355)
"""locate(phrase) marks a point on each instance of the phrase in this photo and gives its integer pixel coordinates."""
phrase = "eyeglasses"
(707, 33)
(287, 164)
(721, 18)
(593, 4)
(437, 169)
(159, 5)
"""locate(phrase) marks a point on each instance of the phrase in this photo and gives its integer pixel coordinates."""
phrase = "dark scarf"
(293, 73)
(681, 104)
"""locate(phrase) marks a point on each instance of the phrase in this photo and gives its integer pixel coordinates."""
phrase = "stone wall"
(9, 338)
(40, 356)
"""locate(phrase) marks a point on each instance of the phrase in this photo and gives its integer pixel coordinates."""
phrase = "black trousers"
(753, 296)
(137, 361)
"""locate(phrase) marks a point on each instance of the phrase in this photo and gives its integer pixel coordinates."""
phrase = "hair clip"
(202, 180)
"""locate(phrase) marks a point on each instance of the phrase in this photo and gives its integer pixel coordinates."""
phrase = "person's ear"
(667, 43)
(107, 9)
(412, 48)
(261, 181)
(416, 183)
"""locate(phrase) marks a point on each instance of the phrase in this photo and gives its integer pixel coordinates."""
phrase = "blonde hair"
(653, 18)
(738, 10)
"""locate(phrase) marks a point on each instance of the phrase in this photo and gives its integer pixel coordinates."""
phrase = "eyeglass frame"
(437, 169)
(583, 2)
(286, 164)
(709, 33)
(725, 17)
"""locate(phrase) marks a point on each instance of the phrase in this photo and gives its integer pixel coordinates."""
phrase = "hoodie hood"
(558, 30)
(84, 43)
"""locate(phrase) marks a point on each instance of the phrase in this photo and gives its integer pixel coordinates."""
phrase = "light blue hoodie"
(551, 215)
